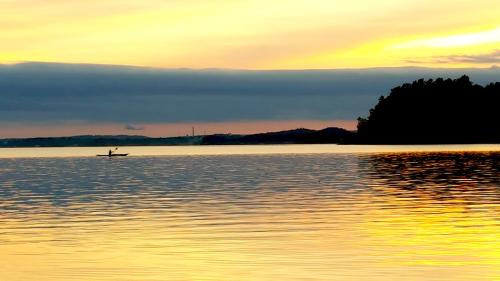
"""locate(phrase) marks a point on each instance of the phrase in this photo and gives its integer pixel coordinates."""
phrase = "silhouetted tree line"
(297, 136)
(434, 111)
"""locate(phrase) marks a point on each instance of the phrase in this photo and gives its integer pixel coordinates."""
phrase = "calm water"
(326, 216)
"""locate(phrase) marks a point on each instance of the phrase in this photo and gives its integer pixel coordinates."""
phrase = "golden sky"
(256, 34)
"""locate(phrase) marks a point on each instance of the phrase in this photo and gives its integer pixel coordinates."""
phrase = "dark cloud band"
(44, 92)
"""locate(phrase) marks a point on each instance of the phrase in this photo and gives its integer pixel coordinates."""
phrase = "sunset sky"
(252, 35)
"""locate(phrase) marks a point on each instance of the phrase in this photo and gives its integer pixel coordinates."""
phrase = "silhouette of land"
(434, 112)
(298, 136)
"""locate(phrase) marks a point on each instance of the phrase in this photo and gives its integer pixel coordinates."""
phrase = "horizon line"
(178, 136)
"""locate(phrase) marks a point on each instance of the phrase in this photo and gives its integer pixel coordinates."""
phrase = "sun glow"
(452, 41)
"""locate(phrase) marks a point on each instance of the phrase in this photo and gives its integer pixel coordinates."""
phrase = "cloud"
(456, 40)
(493, 57)
(49, 93)
(488, 58)
(131, 127)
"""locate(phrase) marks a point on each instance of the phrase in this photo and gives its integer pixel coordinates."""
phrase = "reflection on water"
(199, 150)
(413, 216)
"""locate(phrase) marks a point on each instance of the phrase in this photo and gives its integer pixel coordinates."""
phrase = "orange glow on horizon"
(168, 129)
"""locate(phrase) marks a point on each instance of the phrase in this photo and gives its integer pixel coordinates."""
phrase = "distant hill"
(91, 140)
(328, 135)
(298, 136)
(435, 112)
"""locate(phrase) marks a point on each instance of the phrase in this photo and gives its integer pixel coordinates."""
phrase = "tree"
(435, 111)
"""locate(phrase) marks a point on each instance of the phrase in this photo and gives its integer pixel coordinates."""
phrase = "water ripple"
(418, 216)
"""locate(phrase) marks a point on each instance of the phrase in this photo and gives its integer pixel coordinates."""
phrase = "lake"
(293, 212)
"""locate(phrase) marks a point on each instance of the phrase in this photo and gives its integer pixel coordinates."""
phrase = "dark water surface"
(394, 216)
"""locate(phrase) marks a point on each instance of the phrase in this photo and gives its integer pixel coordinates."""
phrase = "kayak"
(112, 155)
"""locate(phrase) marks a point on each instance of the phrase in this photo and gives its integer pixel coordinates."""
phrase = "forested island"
(441, 111)
(434, 112)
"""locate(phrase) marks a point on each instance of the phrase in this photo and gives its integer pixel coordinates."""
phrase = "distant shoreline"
(297, 136)
(330, 135)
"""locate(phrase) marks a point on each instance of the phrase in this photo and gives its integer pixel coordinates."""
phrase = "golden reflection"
(438, 214)
(417, 216)
(238, 150)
